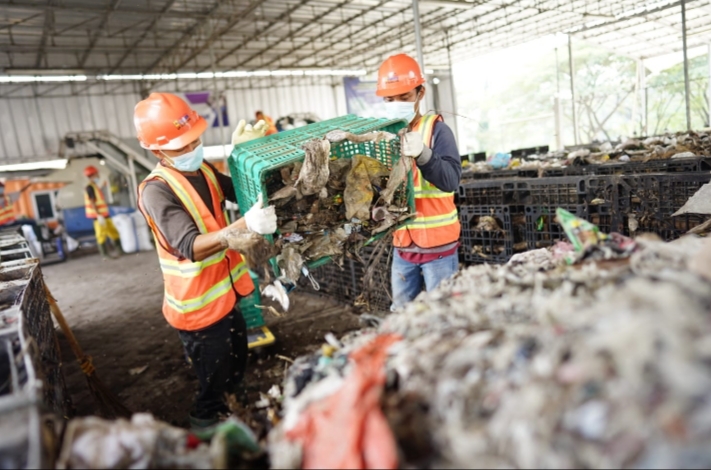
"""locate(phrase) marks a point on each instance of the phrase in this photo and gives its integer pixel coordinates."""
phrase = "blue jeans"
(408, 278)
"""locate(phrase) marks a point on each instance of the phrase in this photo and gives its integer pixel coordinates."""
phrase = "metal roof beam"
(135, 44)
(231, 23)
(48, 26)
(95, 37)
(281, 17)
(187, 34)
(98, 10)
(300, 29)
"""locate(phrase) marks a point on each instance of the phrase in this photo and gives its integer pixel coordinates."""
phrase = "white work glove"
(245, 132)
(261, 220)
(101, 219)
(412, 146)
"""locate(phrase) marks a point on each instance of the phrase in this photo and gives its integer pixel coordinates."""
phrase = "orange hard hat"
(399, 74)
(164, 121)
(90, 171)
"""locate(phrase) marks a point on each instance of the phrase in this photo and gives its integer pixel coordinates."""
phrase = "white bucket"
(134, 233)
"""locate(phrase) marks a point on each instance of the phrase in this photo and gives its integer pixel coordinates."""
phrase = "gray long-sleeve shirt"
(444, 169)
(172, 219)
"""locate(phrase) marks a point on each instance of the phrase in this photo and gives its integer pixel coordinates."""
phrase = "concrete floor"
(114, 309)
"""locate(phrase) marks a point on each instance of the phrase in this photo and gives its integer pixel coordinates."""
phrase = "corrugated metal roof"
(159, 36)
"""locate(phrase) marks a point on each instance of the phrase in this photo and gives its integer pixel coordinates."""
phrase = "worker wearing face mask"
(426, 248)
(183, 201)
(7, 211)
(96, 209)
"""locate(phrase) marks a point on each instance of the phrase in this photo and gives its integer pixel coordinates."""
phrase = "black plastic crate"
(486, 240)
(542, 228)
(675, 190)
(668, 228)
(377, 296)
(491, 192)
(563, 191)
(606, 217)
(336, 281)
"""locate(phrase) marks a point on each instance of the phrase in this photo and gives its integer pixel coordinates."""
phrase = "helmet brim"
(397, 90)
(179, 142)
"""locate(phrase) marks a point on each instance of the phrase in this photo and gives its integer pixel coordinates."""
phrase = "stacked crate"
(31, 378)
(618, 197)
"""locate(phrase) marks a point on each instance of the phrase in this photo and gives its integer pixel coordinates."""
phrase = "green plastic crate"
(252, 162)
(248, 306)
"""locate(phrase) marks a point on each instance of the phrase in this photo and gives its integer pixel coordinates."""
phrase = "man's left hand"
(412, 146)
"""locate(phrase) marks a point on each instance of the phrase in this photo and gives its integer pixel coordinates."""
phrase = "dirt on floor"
(114, 309)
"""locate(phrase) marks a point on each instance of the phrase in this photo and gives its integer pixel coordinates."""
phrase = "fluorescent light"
(448, 4)
(59, 164)
(186, 75)
(41, 78)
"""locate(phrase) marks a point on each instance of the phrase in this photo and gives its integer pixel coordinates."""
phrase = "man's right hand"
(101, 219)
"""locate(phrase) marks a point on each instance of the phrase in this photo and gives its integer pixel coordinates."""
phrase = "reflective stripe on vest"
(100, 203)
(436, 222)
(7, 212)
(197, 294)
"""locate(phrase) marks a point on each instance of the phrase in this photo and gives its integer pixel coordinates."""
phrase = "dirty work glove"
(413, 146)
(101, 219)
(261, 220)
(245, 132)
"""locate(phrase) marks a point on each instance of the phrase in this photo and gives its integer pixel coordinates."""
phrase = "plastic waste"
(580, 232)
(359, 192)
(499, 160)
(363, 438)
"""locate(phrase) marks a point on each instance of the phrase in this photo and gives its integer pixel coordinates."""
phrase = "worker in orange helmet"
(426, 248)
(96, 209)
(183, 201)
(7, 211)
(271, 127)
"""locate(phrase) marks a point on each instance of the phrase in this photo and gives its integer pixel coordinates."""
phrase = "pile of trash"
(539, 363)
(144, 442)
(329, 207)
(669, 146)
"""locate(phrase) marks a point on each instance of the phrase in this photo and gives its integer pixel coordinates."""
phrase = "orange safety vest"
(100, 203)
(197, 294)
(436, 221)
(7, 212)
(271, 127)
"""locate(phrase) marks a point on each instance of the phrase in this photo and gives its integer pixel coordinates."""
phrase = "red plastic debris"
(348, 429)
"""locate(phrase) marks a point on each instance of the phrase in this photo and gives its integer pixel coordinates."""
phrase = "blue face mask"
(190, 161)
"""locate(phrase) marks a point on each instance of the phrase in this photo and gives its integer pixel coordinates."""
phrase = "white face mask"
(404, 110)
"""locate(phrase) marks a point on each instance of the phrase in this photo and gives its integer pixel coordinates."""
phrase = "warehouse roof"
(167, 36)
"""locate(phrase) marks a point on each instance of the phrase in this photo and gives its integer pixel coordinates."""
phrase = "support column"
(687, 97)
(418, 48)
(708, 88)
(133, 182)
(572, 88)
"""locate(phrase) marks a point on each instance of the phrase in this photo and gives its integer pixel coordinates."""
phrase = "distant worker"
(7, 211)
(271, 127)
(97, 210)
(183, 201)
(426, 248)
(9, 218)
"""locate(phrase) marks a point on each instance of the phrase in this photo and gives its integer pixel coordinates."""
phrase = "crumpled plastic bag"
(142, 442)
(580, 232)
(349, 429)
(398, 176)
(358, 195)
(290, 263)
(328, 244)
(314, 172)
(254, 247)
